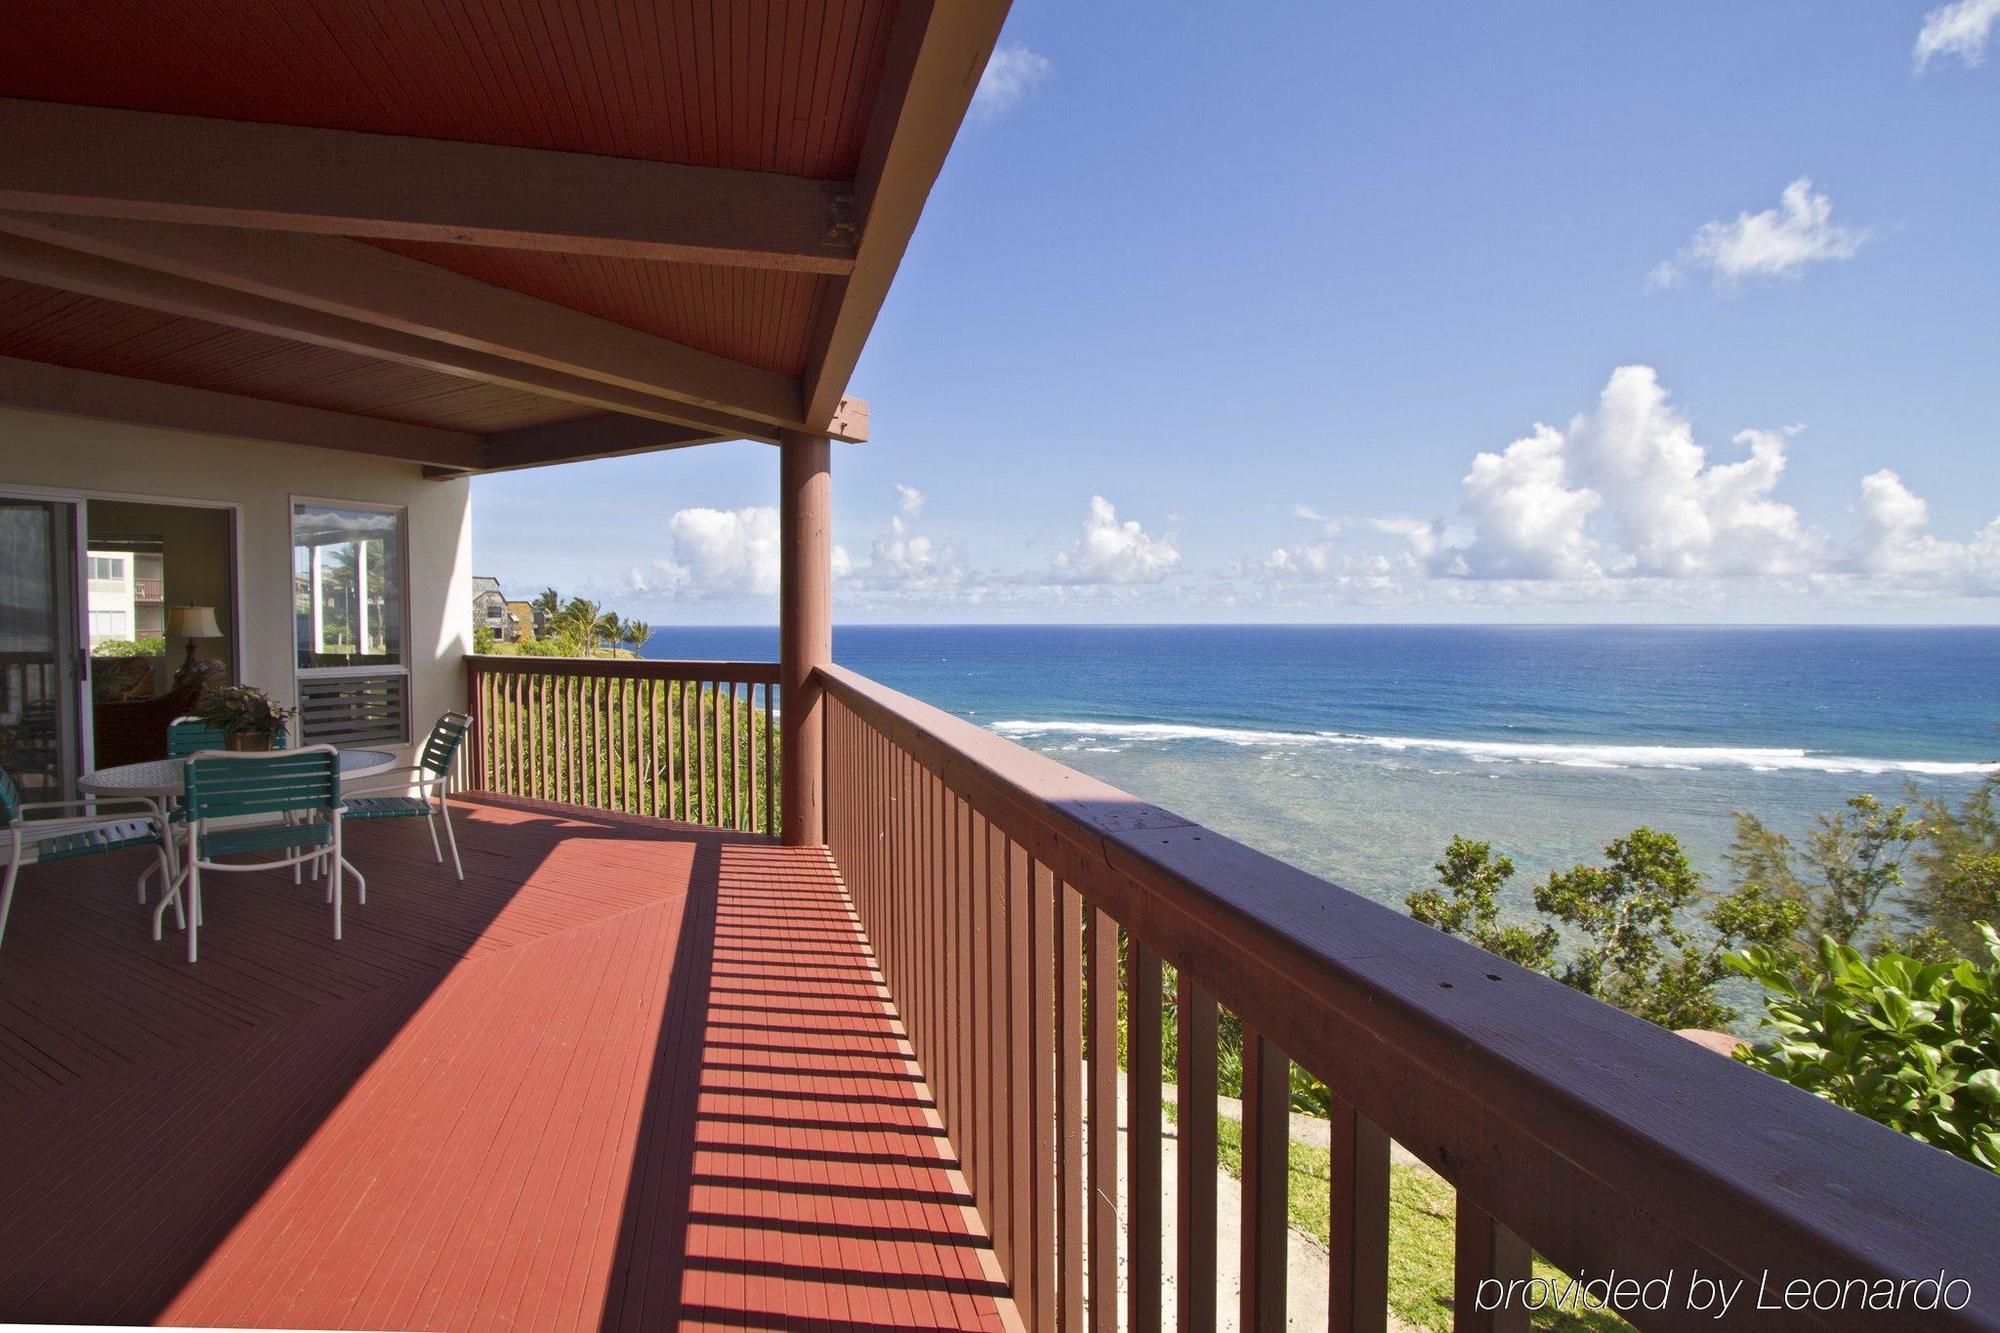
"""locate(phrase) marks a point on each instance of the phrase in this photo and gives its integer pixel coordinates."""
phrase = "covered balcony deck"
(628, 1071)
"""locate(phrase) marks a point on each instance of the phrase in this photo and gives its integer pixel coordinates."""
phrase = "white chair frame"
(24, 836)
(434, 789)
(327, 860)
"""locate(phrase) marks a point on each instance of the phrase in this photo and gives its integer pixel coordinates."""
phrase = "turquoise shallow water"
(1358, 751)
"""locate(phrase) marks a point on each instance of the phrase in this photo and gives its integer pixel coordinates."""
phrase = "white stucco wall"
(75, 456)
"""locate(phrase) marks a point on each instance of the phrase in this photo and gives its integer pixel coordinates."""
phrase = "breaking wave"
(1578, 755)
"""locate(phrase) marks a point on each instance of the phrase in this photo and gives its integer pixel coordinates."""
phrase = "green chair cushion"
(103, 838)
(387, 807)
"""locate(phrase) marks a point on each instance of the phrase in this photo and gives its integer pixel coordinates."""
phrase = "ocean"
(1357, 752)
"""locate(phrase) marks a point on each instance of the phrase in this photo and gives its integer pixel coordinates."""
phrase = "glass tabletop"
(163, 777)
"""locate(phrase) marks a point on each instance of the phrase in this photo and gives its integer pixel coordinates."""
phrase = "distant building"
(525, 621)
(127, 594)
(489, 608)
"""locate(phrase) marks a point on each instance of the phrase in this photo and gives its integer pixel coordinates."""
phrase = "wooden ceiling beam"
(68, 270)
(360, 282)
(149, 167)
(608, 436)
(39, 387)
(937, 52)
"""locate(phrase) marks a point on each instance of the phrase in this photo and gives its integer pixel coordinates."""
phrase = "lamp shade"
(193, 622)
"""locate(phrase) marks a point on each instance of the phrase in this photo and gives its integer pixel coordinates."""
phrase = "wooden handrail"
(1606, 1142)
(672, 740)
(625, 668)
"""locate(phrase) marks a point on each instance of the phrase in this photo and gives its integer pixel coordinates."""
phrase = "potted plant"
(247, 717)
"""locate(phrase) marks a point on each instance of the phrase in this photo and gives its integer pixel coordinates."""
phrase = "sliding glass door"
(40, 646)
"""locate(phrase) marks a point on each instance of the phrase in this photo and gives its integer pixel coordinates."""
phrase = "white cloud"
(902, 561)
(1896, 543)
(1776, 243)
(725, 552)
(1960, 29)
(910, 500)
(1529, 522)
(1626, 491)
(1625, 505)
(1011, 74)
(1114, 552)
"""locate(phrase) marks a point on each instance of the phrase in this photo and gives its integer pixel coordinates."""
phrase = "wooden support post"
(1358, 1252)
(805, 631)
(1489, 1259)
(1267, 1142)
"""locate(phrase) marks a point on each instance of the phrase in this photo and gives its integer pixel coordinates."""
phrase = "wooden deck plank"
(626, 1073)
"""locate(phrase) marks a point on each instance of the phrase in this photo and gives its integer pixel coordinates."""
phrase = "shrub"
(1912, 1045)
(152, 645)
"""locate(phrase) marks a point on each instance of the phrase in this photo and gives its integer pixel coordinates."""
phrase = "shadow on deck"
(627, 1074)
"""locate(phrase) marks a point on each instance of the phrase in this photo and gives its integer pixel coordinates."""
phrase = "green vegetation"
(151, 645)
(1913, 1045)
(1851, 864)
(675, 749)
(577, 627)
(1902, 1028)
(1626, 917)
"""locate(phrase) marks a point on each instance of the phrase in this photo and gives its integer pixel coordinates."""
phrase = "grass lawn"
(1422, 1214)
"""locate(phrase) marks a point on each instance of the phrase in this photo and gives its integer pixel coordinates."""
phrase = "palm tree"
(578, 621)
(547, 607)
(636, 634)
(609, 630)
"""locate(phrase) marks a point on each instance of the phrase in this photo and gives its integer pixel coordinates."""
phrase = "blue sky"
(1375, 312)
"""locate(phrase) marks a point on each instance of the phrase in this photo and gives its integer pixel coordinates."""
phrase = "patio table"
(164, 781)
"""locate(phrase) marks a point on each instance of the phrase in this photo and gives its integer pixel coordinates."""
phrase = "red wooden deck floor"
(626, 1074)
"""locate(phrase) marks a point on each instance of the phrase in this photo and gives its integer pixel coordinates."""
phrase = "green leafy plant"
(1910, 1044)
(483, 639)
(242, 708)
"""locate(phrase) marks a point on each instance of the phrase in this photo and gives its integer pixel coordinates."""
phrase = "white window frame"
(402, 513)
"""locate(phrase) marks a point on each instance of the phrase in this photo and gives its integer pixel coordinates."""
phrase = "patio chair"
(430, 776)
(39, 841)
(295, 797)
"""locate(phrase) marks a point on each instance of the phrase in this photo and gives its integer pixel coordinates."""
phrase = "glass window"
(107, 568)
(347, 585)
(106, 625)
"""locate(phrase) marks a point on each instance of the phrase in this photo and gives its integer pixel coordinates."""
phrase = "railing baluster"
(1101, 965)
(1144, 1170)
(965, 937)
(751, 757)
(1267, 1141)
(1042, 1099)
(1486, 1251)
(1194, 1274)
(1069, 1104)
(737, 759)
(979, 975)
(1358, 1289)
(1021, 1045)
(1001, 1168)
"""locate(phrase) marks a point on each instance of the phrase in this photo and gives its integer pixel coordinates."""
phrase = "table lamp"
(191, 623)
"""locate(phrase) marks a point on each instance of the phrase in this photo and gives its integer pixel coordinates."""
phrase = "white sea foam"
(1585, 755)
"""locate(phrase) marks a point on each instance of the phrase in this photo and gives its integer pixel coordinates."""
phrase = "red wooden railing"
(1005, 894)
(690, 741)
